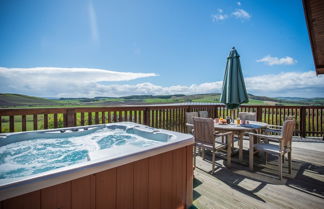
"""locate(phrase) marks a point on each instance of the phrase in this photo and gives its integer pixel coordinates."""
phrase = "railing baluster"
(313, 125)
(183, 120)
(120, 116)
(126, 115)
(317, 130)
(160, 119)
(45, 121)
(171, 119)
(164, 118)
(55, 120)
(131, 115)
(297, 119)
(167, 117)
(35, 122)
(23, 123)
(75, 115)
(107, 119)
(103, 117)
(82, 118)
(142, 117)
(113, 116)
(65, 120)
(135, 116)
(178, 119)
(309, 122)
(96, 117)
(153, 118)
(276, 121)
(89, 118)
(321, 122)
(272, 116)
(11, 123)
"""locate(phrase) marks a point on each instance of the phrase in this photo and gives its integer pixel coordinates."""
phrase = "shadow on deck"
(237, 187)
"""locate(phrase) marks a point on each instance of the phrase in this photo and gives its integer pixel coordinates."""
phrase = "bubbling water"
(39, 155)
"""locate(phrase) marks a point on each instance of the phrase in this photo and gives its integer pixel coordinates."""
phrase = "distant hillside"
(17, 100)
(316, 100)
(8, 100)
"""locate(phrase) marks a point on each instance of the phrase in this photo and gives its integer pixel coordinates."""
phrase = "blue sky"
(49, 48)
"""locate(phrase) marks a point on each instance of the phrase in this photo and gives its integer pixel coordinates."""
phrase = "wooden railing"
(309, 119)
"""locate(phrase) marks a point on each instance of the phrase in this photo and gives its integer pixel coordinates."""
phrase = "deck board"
(237, 187)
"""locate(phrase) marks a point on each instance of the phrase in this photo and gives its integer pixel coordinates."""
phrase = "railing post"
(70, 117)
(302, 118)
(216, 111)
(189, 109)
(146, 116)
(259, 113)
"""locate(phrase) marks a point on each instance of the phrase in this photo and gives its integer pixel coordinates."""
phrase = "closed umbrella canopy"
(234, 91)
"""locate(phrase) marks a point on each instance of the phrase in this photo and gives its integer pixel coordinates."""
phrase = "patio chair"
(251, 116)
(189, 120)
(280, 149)
(207, 139)
(247, 116)
(203, 114)
(276, 129)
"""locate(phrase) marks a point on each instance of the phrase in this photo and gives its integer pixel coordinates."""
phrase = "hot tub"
(117, 165)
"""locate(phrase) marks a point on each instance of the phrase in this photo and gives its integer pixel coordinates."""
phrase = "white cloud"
(241, 14)
(269, 60)
(51, 81)
(238, 13)
(147, 89)
(83, 82)
(304, 84)
(238, 3)
(93, 22)
(219, 16)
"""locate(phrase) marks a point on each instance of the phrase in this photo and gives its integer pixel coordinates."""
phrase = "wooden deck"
(237, 187)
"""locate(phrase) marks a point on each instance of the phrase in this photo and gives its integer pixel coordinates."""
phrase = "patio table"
(239, 130)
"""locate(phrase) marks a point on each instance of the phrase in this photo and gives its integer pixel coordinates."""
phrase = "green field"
(18, 99)
(23, 101)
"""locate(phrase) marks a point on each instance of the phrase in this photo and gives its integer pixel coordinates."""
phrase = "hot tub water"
(56, 149)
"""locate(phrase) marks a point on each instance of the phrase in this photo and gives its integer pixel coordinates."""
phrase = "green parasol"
(234, 91)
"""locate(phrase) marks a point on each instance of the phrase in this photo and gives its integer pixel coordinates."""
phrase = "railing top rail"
(30, 111)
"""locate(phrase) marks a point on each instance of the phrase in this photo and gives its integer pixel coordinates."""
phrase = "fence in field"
(309, 119)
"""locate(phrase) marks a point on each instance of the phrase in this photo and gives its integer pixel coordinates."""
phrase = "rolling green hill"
(23, 101)
(10, 100)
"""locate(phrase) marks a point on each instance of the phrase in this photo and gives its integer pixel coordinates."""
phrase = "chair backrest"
(289, 117)
(203, 114)
(190, 116)
(247, 116)
(287, 132)
(204, 131)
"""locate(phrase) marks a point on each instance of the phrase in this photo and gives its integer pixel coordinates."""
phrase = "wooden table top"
(247, 127)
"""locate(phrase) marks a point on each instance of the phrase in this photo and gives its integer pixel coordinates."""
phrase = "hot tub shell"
(156, 178)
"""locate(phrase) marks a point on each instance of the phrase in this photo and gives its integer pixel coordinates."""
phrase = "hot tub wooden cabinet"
(158, 179)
